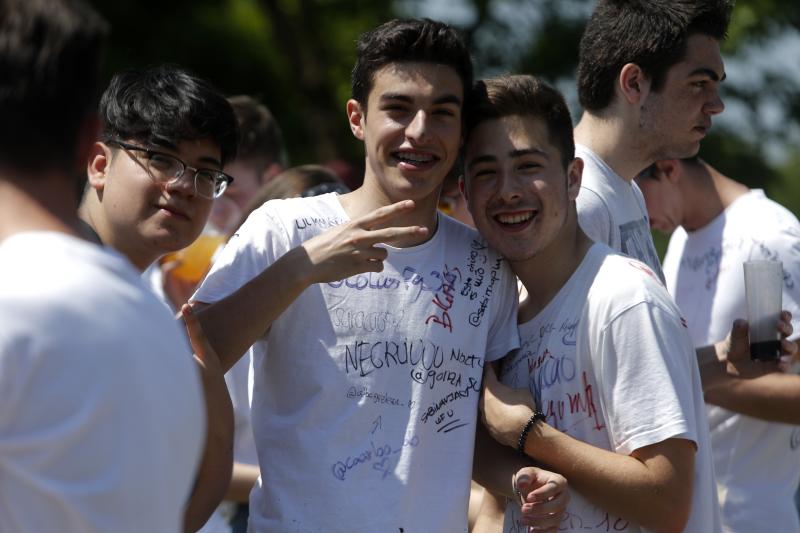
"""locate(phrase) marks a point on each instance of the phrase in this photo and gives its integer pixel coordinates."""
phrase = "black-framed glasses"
(167, 169)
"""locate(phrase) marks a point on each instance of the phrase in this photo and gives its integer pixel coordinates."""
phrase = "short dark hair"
(260, 137)
(50, 53)
(650, 33)
(164, 105)
(525, 96)
(408, 40)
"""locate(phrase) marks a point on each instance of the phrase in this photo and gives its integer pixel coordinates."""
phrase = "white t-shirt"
(610, 363)
(757, 462)
(101, 419)
(365, 390)
(611, 210)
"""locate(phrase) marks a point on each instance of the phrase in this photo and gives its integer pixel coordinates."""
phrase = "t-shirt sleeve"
(258, 243)
(645, 376)
(503, 331)
(593, 216)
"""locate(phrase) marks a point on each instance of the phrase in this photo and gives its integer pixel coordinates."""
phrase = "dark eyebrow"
(708, 72)
(528, 151)
(481, 159)
(448, 99)
(211, 161)
(444, 99)
(208, 160)
(396, 96)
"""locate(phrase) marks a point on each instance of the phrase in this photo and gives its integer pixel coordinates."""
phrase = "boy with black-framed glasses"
(158, 166)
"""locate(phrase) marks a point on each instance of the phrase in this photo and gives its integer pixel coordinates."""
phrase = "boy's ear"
(98, 165)
(462, 186)
(669, 169)
(574, 176)
(633, 84)
(355, 116)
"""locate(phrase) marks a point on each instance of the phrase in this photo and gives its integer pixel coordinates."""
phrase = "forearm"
(494, 465)
(773, 397)
(214, 472)
(651, 490)
(491, 515)
(712, 370)
(235, 322)
(242, 480)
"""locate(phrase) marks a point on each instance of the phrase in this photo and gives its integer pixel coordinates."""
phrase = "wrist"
(526, 429)
(299, 268)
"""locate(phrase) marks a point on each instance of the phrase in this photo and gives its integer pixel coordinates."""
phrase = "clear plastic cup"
(763, 284)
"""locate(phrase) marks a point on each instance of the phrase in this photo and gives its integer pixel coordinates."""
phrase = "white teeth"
(414, 157)
(515, 219)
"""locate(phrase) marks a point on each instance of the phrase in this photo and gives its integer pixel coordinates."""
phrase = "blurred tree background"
(296, 55)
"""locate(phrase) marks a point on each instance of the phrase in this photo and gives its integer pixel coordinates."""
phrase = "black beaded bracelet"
(537, 415)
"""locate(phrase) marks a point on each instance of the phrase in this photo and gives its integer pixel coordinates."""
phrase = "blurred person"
(717, 224)
(88, 357)
(232, 515)
(369, 316)
(451, 199)
(594, 350)
(152, 178)
(261, 153)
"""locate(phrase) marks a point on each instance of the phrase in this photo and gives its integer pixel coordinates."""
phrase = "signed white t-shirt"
(365, 389)
(757, 462)
(610, 363)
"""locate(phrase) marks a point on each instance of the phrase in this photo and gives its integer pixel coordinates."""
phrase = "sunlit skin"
(138, 216)
(678, 116)
(517, 188)
(411, 129)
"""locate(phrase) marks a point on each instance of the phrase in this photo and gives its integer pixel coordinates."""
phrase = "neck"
(370, 196)
(614, 141)
(544, 274)
(706, 193)
(41, 202)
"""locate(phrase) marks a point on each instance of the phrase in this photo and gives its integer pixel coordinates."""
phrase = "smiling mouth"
(415, 159)
(515, 219)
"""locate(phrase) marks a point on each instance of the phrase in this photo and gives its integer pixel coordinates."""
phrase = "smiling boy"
(617, 405)
(366, 385)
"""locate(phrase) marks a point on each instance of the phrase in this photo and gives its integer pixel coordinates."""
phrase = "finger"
(197, 337)
(739, 329)
(384, 214)
(789, 348)
(785, 324)
(550, 489)
(390, 235)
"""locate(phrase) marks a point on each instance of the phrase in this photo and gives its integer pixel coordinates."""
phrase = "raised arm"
(235, 322)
